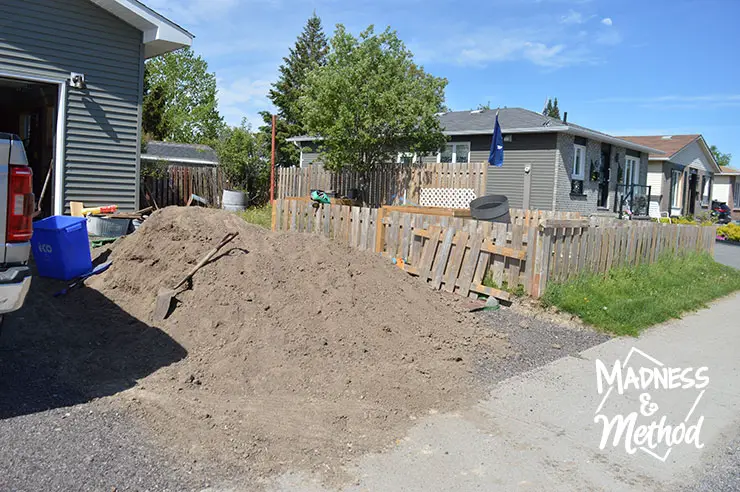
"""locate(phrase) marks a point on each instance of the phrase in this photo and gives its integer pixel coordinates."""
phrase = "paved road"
(537, 430)
(727, 254)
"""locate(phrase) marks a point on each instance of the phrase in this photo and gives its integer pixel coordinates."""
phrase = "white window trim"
(677, 202)
(736, 195)
(402, 154)
(582, 175)
(708, 189)
(635, 170)
(454, 151)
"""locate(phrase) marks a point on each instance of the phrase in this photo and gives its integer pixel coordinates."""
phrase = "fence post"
(273, 220)
(544, 258)
(379, 231)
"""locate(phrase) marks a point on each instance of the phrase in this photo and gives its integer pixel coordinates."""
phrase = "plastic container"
(107, 227)
(60, 247)
(234, 201)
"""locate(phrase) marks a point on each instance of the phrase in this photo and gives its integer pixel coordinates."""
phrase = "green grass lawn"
(261, 216)
(631, 299)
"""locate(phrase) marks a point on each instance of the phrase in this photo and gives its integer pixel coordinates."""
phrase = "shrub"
(730, 232)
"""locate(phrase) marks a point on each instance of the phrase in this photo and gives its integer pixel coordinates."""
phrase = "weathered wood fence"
(175, 184)
(457, 253)
(392, 183)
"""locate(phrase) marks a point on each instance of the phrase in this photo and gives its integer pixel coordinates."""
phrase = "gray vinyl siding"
(50, 39)
(309, 154)
(536, 150)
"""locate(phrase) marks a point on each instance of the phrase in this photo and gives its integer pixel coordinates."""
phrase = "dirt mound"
(301, 352)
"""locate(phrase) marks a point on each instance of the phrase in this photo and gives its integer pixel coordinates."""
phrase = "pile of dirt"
(301, 353)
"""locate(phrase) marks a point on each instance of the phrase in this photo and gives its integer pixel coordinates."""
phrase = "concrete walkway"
(537, 430)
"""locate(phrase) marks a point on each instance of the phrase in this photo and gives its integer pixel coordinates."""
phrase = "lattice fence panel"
(447, 197)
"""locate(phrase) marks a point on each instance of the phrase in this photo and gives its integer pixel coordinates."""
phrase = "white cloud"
(513, 48)
(609, 37)
(572, 17)
(195, 12)
(678, 102)
(243, 98)
(672, 98)
(607, 21)
(549, 48)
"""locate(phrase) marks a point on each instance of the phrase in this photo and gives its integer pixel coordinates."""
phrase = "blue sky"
(624, 67)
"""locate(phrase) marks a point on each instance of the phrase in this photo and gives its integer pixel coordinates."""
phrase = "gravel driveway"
(62, 422)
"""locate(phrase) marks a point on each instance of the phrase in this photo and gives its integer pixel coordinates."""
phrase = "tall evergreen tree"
(552, 110)
(309, 51)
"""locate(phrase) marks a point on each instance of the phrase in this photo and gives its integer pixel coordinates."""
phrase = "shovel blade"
(164, 302)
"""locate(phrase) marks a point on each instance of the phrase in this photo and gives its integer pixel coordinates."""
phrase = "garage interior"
(28, 109)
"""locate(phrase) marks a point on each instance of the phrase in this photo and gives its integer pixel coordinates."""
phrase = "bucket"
(234, 201)
(492, 208)
(60, 247)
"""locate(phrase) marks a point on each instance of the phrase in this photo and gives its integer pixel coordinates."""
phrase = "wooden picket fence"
(178, 183)
(389, 184)
(456, 253)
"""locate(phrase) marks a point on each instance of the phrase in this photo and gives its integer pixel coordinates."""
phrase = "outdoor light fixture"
(77, 80)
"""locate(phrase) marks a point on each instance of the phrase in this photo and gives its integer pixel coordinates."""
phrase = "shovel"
(164, 297)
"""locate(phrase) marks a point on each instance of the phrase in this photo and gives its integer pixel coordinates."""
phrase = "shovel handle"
(208, 257)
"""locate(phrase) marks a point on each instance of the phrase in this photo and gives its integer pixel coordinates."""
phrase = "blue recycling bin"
(60, 247)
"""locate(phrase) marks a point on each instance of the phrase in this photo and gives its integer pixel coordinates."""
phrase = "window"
(406, 158)
(455, 152)
(736, 195)
(676, 190)
(631, 171)
(579, 162)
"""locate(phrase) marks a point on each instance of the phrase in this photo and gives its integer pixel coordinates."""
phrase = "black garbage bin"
(492, 208)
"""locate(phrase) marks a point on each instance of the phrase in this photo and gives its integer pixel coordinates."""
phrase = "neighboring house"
(71, 78)
(681, 177)
(727, 189)
(178, 154)
(549, 164)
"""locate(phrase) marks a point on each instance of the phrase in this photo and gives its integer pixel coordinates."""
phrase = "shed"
(71, 80)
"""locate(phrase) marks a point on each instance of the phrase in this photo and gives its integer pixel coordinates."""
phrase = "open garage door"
(29, 109)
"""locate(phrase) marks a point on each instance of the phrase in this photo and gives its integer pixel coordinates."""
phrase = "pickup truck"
(16, 223)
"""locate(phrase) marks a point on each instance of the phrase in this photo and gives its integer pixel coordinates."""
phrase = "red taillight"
(20, 204)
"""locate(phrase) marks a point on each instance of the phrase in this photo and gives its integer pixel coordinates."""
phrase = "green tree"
(309, 51)
(180, 103)
(552, 109)
(244, 157)
(721, 158)
(371, 101)
(484, 107)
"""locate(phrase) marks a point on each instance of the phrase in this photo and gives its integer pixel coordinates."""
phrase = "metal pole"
(272, 164)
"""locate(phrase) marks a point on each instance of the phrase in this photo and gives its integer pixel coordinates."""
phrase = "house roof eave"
(583, 132)
(186, 160)
(160, 35)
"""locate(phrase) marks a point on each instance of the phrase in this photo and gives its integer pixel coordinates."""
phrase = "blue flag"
(496, 157)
